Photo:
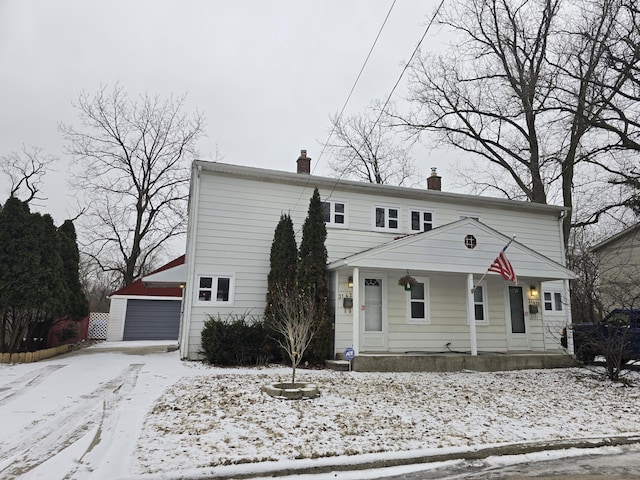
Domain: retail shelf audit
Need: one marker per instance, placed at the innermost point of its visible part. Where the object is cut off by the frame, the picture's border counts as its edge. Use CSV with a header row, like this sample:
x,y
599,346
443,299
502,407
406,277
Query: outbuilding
x,y
148,310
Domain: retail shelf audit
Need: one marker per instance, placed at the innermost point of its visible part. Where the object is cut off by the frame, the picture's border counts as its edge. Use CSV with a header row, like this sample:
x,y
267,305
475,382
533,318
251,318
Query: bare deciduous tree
x,y
26,171
366,150
620,101
294,323
518,89
133,158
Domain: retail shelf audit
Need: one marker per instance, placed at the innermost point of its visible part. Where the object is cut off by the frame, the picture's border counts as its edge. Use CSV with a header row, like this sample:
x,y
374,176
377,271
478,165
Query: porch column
x,y
471,315
356,310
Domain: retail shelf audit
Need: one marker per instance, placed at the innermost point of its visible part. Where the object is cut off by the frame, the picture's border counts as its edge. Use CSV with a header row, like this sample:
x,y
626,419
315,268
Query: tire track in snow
x,y
21,385
45,438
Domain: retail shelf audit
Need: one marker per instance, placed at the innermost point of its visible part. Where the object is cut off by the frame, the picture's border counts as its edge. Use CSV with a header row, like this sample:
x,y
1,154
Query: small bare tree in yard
x,y
133,159
293,322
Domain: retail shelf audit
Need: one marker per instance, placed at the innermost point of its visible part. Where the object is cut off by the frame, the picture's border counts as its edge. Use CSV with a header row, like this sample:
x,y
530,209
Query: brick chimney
x,y
434,182
304,163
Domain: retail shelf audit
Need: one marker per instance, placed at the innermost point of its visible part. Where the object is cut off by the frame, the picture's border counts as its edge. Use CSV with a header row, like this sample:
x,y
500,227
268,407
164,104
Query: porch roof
x,y
444,249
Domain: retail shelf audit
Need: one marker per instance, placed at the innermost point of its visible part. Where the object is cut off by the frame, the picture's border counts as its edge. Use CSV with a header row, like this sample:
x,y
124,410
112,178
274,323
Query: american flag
x,y
503,266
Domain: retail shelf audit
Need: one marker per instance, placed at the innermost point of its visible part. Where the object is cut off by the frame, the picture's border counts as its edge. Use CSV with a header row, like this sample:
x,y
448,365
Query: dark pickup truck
x,y
618,332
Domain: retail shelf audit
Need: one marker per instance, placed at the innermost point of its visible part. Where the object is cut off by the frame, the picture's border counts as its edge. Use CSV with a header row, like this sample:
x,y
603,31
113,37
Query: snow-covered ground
x,y
99,414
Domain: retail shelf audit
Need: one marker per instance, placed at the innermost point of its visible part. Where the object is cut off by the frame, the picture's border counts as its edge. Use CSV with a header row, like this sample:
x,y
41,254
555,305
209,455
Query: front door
x,y
518,334
373,321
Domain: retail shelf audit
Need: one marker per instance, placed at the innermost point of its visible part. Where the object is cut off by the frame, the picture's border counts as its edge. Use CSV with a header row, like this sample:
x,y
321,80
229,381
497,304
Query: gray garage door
x,y
152,320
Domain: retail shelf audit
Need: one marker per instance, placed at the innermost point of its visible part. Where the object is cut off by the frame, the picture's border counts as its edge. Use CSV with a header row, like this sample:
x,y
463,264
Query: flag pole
x,y
485,273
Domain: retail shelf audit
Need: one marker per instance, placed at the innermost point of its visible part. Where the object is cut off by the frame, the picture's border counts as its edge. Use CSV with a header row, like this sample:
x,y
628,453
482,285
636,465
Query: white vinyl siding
x,y
117,313
475,216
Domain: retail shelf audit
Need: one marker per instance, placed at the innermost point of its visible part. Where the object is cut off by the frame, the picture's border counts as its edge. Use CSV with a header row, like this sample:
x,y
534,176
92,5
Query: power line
x,y
353,87
386,103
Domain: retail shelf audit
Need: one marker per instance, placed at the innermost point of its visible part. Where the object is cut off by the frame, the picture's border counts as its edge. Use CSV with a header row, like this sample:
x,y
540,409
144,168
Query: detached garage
x,y
146,311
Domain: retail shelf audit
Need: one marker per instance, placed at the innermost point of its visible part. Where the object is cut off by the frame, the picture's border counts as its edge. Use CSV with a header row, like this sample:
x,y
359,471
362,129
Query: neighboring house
x,y
618,263
376,235
148,310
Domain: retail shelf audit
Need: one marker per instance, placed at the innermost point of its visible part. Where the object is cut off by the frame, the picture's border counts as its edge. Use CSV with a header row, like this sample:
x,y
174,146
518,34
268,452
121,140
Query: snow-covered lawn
x,y
110,415
222,418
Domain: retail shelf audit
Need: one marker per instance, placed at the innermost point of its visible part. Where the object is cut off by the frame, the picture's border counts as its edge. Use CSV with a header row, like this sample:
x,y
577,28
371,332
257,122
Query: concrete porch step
x,y
340,365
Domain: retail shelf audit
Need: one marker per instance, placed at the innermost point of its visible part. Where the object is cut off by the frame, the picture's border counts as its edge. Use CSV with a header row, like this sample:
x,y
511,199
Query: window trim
x,y
552,301
485,304
421,211
427,304
386,228
215,278
332,213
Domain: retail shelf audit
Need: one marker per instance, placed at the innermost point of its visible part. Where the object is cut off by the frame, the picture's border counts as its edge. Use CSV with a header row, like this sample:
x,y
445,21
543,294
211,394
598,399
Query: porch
x,y
452,362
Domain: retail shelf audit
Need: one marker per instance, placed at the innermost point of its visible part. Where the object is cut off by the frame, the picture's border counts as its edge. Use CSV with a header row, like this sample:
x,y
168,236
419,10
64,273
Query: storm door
x,y
373,321
517,321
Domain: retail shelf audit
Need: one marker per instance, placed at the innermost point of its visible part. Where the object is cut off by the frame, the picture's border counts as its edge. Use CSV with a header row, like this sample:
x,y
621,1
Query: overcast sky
x,y
266,74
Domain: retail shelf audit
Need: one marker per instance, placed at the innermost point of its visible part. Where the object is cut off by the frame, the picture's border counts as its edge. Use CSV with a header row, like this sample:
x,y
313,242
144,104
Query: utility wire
x,y
386,103
344,106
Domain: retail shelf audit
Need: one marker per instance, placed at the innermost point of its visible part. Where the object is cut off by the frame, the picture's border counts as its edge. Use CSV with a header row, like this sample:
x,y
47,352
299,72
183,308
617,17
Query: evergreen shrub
x,y
238,339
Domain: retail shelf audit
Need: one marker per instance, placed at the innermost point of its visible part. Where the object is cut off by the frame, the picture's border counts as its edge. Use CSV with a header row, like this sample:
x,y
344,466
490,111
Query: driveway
x,y
80,414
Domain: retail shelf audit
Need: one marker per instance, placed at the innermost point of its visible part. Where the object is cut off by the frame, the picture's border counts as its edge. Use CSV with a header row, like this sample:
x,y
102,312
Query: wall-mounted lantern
x,y
350,282
533,292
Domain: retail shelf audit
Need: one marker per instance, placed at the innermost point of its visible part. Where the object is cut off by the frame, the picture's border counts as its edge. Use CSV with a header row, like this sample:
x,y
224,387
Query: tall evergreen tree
x,y
283,262
18,267
312,276
35,288
77,306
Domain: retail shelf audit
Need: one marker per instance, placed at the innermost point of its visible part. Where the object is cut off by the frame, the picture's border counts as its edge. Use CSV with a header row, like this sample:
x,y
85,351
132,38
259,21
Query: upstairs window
x,y
421,220
386,219
215,289
335,213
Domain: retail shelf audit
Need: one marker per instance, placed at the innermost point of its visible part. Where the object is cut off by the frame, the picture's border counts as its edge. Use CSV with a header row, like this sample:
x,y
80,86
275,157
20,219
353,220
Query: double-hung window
x,y
420,220
215,289
418,302
335,213
552,302
386,219
480,302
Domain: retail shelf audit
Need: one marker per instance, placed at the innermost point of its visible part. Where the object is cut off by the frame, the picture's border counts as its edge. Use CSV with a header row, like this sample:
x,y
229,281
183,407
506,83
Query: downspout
x,y
565,282
192,227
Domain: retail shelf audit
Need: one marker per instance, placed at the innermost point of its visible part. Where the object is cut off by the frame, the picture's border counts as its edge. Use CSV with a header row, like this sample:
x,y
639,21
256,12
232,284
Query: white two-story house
x,y
377,234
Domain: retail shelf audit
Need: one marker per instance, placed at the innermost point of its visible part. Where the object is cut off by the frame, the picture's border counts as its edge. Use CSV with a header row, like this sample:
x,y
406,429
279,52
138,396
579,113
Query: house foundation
x,y
425,362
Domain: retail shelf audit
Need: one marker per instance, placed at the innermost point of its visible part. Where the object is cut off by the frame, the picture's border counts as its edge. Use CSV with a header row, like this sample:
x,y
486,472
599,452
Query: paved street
x,y
625,465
